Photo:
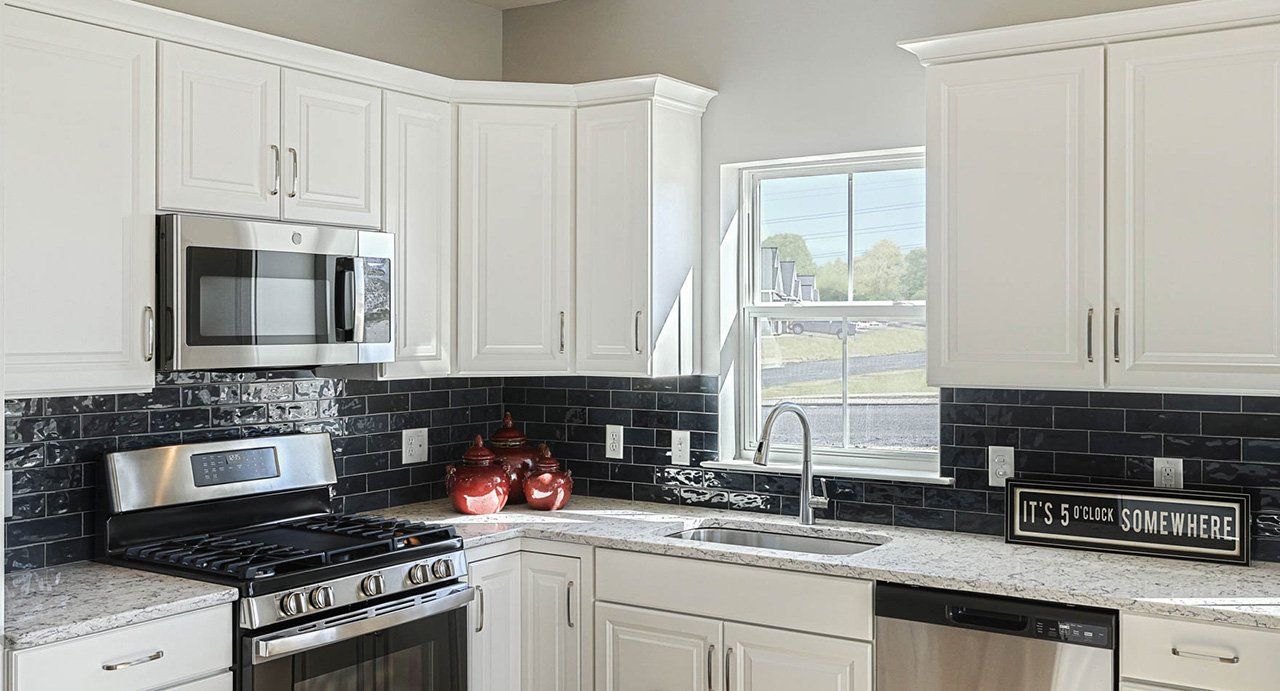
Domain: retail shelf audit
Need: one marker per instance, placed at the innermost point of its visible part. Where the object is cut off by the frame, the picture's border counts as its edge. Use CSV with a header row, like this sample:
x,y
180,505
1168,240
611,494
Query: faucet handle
x,y
820,500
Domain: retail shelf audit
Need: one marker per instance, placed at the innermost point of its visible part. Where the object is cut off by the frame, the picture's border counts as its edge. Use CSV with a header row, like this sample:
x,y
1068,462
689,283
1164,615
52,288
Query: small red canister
x,y
514,453
548,488
479,484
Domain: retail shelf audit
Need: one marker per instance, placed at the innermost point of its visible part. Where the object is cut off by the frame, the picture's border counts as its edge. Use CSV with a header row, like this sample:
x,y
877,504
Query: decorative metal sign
x,y
1206,526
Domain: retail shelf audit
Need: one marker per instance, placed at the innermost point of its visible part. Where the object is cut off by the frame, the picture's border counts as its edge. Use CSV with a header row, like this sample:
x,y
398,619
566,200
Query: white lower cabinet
x,y
494,647
1196,655
642,650
765,659
552,649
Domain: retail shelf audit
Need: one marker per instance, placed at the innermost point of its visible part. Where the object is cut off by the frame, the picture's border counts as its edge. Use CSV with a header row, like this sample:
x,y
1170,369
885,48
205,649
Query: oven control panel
x,y
241,465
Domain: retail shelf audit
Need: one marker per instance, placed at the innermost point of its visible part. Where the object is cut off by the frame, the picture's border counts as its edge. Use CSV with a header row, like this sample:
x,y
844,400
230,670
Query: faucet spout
x,y
807,501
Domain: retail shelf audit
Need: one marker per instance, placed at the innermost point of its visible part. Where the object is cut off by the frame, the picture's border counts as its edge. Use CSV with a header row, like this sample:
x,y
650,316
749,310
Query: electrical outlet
x,y
413,444
613,441
680,447
1168,473
999,465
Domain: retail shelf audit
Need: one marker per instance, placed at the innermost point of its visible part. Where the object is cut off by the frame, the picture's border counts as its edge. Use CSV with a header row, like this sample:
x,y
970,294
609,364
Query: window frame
x,y
751,312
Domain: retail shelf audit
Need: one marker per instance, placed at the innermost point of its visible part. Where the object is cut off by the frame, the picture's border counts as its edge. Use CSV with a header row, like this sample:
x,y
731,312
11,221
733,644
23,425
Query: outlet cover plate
x,y
1168,472
999,465
680,447
413,443
613,441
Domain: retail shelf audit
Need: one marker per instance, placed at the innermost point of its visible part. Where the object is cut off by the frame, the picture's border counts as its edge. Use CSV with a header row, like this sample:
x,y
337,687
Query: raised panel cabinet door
x,y
79,207
647,650
219,133
515,253
552,622
1193,240
764,659
1014,231
418,176
493,649
332,158
614,250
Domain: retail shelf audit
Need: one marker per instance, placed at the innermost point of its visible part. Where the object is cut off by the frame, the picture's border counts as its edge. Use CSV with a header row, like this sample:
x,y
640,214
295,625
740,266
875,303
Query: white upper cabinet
x,y
332,133
1015,212
79,194
219,133
638,208
515,222
1193,240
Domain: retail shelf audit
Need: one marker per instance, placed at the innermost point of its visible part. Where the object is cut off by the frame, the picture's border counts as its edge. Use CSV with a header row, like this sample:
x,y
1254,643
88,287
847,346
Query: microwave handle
x,y
345,296
358,331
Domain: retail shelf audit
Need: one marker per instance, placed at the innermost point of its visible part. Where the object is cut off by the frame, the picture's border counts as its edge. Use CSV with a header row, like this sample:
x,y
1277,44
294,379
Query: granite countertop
x,y
63,602
1248,596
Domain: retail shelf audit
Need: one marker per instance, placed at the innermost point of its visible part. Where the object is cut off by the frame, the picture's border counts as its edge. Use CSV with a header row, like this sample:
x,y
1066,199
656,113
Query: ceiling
x,y
511,4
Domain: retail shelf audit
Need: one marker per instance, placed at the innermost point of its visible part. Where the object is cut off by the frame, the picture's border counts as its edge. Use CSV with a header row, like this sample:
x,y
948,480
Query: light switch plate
x,y
999,465
413,445
1168,472
613,441
680,447
8,493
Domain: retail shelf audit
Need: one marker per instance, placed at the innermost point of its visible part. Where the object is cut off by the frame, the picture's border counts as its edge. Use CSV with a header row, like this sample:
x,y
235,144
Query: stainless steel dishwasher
x,y
947,640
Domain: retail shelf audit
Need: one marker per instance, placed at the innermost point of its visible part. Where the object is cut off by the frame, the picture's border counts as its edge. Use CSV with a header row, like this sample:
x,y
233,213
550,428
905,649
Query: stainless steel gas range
x,y
327,601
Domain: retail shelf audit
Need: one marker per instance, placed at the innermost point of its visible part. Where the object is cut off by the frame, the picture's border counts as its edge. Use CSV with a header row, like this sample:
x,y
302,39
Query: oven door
x,y
407,644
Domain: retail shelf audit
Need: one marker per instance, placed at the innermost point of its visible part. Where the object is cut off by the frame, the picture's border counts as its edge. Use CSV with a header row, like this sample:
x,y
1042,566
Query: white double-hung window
x,y
832,291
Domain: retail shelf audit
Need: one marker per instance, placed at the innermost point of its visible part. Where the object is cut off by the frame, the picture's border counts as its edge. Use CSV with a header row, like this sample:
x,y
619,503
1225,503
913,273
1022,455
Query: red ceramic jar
x,y
548,488
514,453
479,484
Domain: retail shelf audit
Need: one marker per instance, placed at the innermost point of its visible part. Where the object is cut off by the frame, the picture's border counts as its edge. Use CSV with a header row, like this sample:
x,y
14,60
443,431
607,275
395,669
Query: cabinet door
x,y
552,616
646,650
764,659
613,239
494,647
219,133
514,239
333,151
1193,278
1015,182
79,214
419,211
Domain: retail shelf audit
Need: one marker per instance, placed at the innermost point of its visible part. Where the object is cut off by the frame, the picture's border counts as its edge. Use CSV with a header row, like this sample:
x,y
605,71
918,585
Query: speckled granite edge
x,y
1246,596
64,602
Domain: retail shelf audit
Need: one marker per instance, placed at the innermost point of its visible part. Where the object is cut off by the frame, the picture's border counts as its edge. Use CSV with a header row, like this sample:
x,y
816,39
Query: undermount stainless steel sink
x,y
781,541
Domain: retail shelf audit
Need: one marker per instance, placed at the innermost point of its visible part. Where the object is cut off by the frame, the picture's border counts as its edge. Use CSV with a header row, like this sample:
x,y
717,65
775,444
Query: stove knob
x,y
292,604
443,568
418,574
321,597
373,585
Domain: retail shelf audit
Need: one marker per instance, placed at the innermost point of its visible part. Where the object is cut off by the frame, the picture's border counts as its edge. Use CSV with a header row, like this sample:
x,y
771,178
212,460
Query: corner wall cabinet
x,y
1189,299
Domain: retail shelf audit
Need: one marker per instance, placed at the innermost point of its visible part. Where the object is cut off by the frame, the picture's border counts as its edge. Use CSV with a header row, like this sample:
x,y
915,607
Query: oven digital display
x,y
241,465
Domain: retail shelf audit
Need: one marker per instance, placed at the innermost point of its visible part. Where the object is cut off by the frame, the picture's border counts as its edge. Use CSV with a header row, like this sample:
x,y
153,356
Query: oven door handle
x,y
271,647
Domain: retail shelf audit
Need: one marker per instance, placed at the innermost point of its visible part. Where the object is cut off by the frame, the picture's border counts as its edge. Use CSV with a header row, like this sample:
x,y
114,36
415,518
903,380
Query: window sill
x,y
827,470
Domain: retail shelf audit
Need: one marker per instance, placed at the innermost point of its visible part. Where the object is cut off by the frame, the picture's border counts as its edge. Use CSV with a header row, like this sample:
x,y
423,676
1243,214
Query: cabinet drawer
x,y
194,644
784,599
218,682
1206,650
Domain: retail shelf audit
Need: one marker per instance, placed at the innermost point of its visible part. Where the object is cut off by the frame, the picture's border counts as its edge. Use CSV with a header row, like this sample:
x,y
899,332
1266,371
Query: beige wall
x,y
454,38
796,77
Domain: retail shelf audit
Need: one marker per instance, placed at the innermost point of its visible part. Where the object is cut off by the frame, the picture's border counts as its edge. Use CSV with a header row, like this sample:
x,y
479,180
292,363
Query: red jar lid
x,y
546,462
477,454
507,434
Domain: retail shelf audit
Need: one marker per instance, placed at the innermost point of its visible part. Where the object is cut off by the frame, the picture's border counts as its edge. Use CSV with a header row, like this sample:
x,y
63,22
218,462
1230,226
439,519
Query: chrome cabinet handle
x,y
568,604
293,153
711,653
275,154
480,605
1088,335
150,316
1205,656
562,332
1115,336
638,331
111,667
728,668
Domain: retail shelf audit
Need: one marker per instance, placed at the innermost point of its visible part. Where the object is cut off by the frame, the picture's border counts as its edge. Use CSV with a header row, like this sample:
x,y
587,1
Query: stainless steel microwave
x,y
239,294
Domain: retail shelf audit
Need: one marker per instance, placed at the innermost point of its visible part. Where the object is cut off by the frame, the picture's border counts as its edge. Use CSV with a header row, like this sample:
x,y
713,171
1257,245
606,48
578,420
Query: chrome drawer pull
x,y
568,604
1088,337
1205,656
711,654
134,663
480,605
275,155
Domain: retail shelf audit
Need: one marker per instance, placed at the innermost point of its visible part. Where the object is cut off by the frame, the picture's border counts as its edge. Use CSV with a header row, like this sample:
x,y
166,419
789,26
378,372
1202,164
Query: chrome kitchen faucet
x,y
808,502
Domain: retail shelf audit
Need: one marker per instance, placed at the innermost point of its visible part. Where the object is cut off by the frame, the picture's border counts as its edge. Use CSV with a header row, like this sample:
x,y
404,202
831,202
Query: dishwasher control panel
x,y
1073,632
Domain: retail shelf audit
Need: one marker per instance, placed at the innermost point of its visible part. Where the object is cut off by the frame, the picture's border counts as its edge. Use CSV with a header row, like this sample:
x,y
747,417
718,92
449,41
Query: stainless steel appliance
x,y
235,293
328,601
940,639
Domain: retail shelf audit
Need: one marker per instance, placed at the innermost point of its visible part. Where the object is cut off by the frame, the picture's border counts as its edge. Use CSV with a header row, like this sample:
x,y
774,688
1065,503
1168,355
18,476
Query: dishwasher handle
x,y
987,620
